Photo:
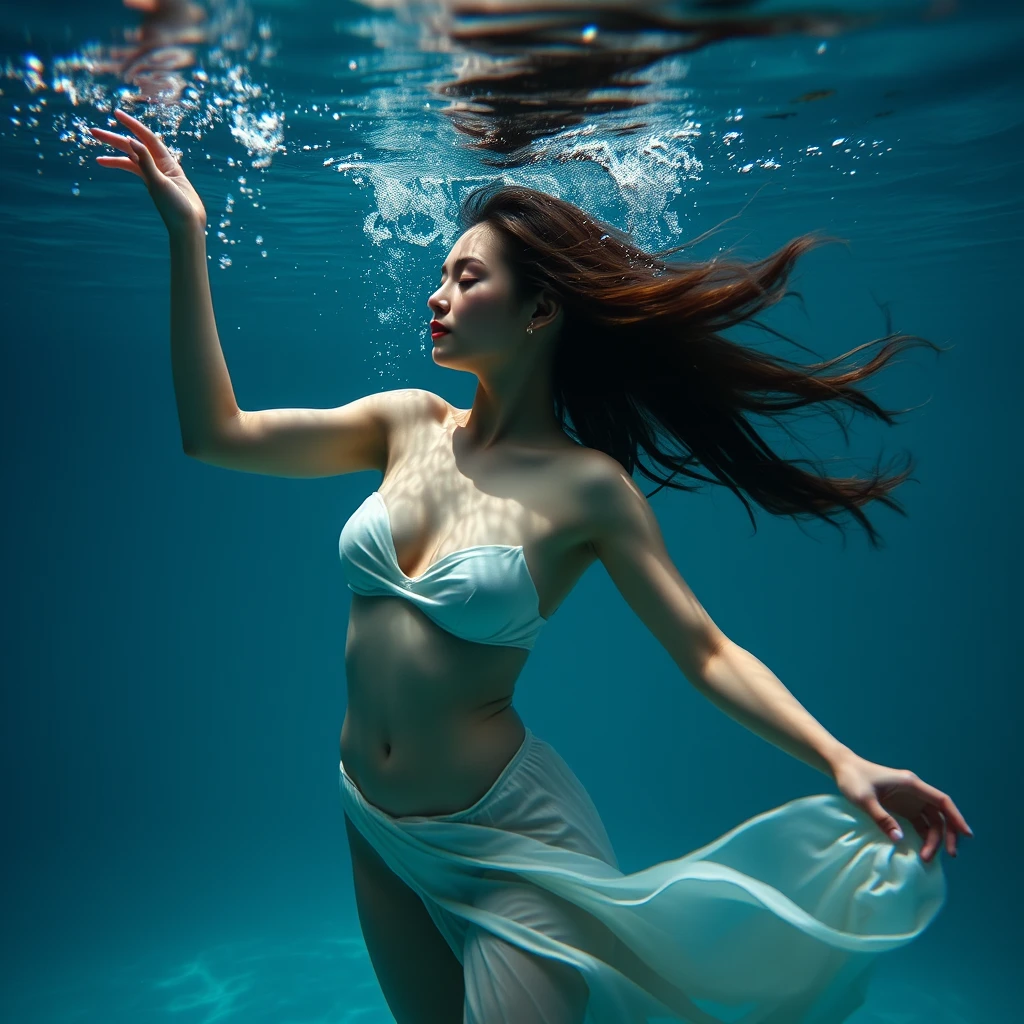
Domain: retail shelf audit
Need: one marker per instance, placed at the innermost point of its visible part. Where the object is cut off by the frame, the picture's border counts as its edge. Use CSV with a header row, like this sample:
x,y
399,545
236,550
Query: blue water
x,y
172,664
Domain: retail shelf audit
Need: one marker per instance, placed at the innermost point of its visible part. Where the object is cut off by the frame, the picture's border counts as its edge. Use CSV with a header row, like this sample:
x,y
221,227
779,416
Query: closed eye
x,y
462,280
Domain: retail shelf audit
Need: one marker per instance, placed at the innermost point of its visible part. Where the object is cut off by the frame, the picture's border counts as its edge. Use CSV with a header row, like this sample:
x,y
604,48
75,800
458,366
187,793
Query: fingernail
x,y
896,834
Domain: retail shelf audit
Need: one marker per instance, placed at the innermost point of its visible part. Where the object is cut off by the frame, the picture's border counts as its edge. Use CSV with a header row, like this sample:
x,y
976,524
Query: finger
x,y
112,139
122,162
941,800
920,823
885,821
951,837
145,158
934,838
147,135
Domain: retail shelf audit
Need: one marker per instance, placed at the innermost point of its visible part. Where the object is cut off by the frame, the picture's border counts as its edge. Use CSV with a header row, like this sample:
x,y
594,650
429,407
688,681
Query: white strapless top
x,y
483,593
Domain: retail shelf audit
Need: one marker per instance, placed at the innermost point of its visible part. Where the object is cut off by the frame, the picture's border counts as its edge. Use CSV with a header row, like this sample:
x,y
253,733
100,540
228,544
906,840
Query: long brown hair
x,y
641,362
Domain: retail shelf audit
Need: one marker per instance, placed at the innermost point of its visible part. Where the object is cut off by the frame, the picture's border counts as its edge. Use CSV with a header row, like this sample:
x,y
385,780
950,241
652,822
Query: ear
x,y
546,310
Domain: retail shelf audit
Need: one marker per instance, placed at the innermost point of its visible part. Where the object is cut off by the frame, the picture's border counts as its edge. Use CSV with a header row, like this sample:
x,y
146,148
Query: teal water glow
x,y
173,659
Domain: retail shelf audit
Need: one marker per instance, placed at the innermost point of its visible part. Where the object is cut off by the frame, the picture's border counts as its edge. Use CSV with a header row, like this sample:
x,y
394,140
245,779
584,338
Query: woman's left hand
x,y
883,792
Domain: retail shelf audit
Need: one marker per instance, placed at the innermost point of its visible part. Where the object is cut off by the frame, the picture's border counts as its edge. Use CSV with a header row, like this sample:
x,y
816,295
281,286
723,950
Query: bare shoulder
x,y
609,502
600,482
407,409
408,404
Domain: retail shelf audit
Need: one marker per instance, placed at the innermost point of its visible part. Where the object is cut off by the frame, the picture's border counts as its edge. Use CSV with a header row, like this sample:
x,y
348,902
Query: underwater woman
x,y
486,886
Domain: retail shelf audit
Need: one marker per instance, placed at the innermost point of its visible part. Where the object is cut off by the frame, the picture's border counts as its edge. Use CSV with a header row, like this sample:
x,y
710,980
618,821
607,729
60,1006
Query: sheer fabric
x,y
776,922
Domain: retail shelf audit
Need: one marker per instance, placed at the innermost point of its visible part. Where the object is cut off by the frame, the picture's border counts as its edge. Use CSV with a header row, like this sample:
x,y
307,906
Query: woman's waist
x,y
388,636
417,685
428,767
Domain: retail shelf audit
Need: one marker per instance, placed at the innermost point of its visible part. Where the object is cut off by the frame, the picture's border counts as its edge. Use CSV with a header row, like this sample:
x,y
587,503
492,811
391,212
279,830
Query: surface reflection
x,y
532,69
164,43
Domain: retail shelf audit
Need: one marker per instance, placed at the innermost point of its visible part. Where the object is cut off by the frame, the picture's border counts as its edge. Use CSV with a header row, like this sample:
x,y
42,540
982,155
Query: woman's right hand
x,y
147,156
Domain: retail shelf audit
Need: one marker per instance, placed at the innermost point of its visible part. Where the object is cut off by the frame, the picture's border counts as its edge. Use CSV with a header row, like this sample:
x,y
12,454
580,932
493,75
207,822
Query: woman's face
x,y
476,302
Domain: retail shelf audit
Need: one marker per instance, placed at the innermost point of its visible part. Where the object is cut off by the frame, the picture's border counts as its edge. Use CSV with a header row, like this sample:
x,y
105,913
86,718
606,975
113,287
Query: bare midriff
x,y
429,724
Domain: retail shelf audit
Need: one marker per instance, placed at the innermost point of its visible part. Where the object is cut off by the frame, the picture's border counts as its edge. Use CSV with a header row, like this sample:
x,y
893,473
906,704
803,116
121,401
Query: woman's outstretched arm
x,y
202,385
628,540
279,442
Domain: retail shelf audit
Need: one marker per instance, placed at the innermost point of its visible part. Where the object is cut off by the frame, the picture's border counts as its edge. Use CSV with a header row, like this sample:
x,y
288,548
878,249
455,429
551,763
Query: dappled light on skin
x,y
599,352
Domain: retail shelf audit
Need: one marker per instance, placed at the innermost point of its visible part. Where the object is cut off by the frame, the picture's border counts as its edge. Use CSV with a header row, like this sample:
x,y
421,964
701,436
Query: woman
x,y
486,886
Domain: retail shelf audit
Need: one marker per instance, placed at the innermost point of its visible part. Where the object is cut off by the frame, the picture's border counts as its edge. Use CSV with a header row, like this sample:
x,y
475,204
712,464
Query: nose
x,y
435,304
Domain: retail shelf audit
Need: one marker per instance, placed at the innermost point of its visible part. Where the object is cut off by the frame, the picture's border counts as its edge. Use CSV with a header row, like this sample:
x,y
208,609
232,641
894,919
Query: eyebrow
x,y
461,261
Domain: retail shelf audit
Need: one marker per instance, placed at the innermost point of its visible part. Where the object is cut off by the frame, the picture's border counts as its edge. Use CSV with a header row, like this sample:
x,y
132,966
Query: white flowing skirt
x,y
776,922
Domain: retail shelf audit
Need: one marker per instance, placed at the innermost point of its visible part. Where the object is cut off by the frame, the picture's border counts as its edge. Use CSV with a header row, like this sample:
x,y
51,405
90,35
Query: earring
x,y
529,330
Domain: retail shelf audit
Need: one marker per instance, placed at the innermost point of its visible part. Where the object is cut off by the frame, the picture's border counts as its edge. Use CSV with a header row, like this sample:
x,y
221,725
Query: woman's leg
x,y
420,976
506,984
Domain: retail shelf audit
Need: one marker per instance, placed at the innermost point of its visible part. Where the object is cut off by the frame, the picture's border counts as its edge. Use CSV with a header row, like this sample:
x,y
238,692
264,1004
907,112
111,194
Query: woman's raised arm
x,y
280,442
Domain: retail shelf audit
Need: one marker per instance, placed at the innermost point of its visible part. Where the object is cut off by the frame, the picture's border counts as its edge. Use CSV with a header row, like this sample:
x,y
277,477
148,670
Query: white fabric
x,y
483,593
776,922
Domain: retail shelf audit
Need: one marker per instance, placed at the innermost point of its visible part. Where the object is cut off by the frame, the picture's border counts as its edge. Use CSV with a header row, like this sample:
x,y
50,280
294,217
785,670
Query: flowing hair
x,y
641,363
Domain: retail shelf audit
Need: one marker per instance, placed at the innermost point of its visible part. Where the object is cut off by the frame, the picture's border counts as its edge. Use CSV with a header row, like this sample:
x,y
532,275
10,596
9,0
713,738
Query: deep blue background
x,y
172,665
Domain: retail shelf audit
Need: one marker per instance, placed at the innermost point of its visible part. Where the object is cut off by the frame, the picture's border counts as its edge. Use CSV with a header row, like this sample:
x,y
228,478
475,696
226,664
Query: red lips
x,y
436,327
